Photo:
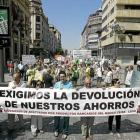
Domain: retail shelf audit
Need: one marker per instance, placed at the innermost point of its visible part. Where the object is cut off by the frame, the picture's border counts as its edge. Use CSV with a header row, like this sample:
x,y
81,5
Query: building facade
x,y
40,29
54,38
124,43
90,36
20,35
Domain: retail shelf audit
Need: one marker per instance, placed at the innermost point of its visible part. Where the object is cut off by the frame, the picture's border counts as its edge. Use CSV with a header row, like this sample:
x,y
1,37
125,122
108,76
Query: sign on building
x,y
28,59
46,60
81,54
4,27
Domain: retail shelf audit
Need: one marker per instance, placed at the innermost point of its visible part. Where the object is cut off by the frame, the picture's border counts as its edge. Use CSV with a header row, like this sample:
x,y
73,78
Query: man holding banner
x,y
16,83
87,122
62,84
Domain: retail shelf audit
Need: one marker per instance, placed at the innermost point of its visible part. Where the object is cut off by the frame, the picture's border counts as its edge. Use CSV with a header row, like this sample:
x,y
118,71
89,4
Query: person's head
x,y
75,66
88,63
50,66
116,82
11,61
130,67
20,62
38,84
48,71
45,66
87,83
30,66
114,67
62,76
16,62
16,78
38,67
98,65
108,69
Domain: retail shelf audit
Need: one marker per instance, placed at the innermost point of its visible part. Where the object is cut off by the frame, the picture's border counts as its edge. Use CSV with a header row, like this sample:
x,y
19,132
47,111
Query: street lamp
x,y
115,27
20,26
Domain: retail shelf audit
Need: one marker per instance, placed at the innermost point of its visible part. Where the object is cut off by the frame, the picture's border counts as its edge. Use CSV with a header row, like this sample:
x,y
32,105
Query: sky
x,y
70,17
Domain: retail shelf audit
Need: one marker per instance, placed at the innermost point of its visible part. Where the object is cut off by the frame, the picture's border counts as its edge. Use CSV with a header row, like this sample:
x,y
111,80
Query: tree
x,y
59,51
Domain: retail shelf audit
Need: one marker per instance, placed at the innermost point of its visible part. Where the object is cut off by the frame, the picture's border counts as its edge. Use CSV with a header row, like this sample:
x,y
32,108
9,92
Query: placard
x,y
46,60
134,79
81,54
28,59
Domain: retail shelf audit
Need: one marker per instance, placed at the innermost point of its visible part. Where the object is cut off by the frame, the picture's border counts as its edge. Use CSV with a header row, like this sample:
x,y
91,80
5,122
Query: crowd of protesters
x,y
58,76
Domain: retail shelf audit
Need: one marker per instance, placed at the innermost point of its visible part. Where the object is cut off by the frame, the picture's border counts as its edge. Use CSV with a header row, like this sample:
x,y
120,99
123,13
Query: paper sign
x,y
28,59
134,79
46,60
81,54
38,76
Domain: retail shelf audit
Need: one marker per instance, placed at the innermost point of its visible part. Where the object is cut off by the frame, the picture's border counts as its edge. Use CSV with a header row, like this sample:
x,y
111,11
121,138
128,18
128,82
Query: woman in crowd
x,y
108,77
115,72
36,121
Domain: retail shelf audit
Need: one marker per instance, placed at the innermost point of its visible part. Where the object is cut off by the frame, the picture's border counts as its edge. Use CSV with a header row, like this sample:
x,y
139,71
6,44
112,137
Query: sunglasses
x,y
118,82
88,83
38,84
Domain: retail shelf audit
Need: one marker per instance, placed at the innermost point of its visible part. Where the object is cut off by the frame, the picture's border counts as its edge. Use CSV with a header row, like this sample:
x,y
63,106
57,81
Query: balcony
x,y
130,26
135,39
128,13
133,2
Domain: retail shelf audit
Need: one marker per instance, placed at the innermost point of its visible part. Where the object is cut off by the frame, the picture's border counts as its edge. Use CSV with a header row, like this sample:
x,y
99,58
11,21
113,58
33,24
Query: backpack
x,y
91,72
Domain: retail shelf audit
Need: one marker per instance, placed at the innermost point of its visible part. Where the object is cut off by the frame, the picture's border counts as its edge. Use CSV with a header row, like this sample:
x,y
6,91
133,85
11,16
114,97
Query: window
x,y
105,8
21,49
37,26
112,11
38,18
16,52
26,49
38,35
105,18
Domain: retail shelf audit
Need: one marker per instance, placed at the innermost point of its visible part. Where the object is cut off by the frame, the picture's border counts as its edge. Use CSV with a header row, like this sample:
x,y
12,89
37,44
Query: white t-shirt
x,y
99,72
118,69
109,74
138,62
20,85
20,66
128,78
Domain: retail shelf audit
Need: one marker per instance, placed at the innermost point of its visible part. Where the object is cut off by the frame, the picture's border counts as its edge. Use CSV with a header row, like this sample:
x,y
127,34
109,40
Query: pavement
x,y
129,124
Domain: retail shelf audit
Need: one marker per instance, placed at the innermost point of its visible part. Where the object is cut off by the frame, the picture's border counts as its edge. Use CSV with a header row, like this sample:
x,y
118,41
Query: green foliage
x,y
59,51
130,37
122,37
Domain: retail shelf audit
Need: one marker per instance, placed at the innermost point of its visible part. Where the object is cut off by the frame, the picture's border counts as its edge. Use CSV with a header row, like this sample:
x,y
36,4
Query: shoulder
x,y
22,84
11,84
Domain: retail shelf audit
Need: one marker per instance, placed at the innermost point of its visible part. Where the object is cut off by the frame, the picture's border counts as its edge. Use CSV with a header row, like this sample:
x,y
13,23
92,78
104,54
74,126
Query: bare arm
x,y
29,82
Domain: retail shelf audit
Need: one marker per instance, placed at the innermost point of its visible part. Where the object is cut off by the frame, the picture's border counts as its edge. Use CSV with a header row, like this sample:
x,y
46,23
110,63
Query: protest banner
x,y
56,56
46,61
70,102
81,54
28,59
134,79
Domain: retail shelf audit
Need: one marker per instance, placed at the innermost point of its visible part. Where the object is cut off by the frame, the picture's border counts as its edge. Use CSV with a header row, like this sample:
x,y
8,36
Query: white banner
x,y
81,54
28,59
70,102
46,60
